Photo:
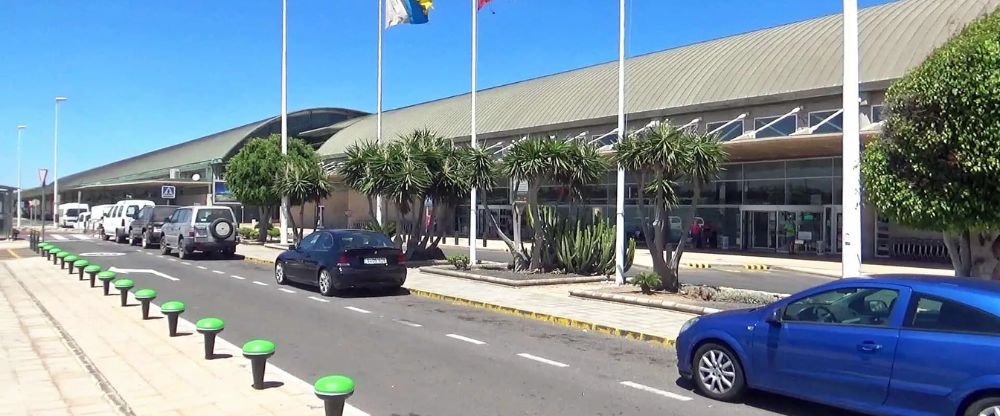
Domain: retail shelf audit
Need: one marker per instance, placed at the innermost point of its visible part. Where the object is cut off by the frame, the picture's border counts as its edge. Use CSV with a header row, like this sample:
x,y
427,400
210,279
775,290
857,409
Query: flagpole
x,y
620,186
851,252
378,117
472,193
283,215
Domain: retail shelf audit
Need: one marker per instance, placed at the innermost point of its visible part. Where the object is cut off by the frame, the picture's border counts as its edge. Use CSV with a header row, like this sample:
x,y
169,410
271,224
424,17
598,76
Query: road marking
x,y
259,283
12,253
185,263
101,254
172,259
408,323
542,360
667,394
359,310
81,237
466,339
286,290
218,272
237,277
59,237
150,271
319,299
148,253
203,267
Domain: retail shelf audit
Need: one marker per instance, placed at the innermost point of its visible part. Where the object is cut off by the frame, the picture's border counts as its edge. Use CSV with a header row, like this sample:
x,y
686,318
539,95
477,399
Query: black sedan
x,y
334,260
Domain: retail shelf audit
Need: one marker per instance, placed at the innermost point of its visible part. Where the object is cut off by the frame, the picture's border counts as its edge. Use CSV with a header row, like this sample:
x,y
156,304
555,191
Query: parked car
x,y
70,212
116,222
333,260
81,221
889,345
145,230
207,229
97,214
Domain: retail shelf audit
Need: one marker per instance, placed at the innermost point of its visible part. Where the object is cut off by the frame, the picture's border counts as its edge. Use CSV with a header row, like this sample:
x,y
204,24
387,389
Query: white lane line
x,y
185,263
148,253
408,323
172,259
81,237
319,299
237,277
218,272
466,339
359,310
259,283
286,290
59,237
542,360
645,388
203,267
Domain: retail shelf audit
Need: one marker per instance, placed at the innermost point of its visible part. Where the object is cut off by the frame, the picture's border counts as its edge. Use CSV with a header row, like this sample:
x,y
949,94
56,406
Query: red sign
x,y
42,174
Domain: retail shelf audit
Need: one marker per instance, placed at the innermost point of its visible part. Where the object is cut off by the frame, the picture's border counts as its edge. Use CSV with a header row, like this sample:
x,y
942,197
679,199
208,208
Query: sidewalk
x,y
550,303
133,362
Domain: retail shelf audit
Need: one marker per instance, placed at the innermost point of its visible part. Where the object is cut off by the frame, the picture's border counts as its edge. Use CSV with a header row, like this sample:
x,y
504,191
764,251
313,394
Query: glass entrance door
x,y
763,230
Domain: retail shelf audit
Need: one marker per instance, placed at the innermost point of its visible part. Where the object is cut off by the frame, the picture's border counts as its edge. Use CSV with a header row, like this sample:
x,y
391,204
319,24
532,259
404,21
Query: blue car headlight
x,y
689,324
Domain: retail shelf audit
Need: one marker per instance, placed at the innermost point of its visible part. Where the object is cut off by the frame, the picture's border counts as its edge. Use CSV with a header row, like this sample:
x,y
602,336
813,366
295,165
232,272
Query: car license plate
x,y
375,260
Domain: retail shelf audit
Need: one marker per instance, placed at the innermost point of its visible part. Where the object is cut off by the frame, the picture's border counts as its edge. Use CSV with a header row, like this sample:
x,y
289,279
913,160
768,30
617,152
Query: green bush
x,y
460,261
249,233
584,247
387,228
647,282
273,232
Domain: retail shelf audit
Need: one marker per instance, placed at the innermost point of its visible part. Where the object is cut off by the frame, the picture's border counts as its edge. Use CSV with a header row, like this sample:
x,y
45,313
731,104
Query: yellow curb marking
x,y
756,267
558,320
12,253
698,265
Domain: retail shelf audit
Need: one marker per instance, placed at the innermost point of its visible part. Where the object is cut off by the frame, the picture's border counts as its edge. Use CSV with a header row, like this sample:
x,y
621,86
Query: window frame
x,y
900,293
315,237
773,118
831,112
871,113
741,123
911,309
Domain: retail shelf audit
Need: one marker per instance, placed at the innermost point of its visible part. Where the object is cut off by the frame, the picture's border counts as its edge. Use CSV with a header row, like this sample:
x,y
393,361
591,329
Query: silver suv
x,y
199,228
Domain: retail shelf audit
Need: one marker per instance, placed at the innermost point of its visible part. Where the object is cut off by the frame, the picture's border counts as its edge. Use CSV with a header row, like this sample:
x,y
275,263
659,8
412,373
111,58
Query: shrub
x,y
387,228
273,232
249,233
647,282
460,261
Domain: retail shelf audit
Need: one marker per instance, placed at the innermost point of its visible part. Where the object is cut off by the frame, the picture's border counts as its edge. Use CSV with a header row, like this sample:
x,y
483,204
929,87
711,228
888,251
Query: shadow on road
x,y
355,293
782,405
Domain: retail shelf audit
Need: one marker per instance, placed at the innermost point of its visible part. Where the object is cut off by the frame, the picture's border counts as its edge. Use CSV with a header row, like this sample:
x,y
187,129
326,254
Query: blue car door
x,y
834,346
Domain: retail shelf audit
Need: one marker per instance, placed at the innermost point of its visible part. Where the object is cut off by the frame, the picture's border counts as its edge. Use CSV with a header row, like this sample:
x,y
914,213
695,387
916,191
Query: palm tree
x,y
303,181
661,157
547,160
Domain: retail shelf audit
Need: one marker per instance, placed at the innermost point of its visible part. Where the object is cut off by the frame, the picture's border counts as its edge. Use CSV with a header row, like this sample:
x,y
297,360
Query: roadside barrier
x,y
92,270
70,259
172,309
145,296
62,259
123,285
756,267
80,264
209,328
258,351
106,277
50,253
334,390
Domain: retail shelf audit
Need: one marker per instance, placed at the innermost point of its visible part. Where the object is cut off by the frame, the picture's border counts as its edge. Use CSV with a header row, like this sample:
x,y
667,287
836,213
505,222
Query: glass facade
x,y
835,125
784,127
728,132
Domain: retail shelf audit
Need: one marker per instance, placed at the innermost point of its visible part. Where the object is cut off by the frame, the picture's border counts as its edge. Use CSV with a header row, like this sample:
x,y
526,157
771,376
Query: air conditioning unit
x,y
175,173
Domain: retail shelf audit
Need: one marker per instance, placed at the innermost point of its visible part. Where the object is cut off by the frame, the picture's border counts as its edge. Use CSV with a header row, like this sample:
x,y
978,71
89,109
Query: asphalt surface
x,y
416,357
775,281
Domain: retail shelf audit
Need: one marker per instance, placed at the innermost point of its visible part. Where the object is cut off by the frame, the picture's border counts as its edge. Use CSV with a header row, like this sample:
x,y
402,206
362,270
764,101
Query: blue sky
x,y
142,75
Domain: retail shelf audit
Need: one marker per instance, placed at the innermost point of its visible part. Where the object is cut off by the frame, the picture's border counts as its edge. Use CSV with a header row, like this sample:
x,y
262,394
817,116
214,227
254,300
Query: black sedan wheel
x,y
718,373
326,283
279,273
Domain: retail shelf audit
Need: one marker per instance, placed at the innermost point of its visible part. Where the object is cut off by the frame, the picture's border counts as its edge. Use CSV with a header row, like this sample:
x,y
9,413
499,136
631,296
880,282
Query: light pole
x,y
55,165
283,215
18,211
851,252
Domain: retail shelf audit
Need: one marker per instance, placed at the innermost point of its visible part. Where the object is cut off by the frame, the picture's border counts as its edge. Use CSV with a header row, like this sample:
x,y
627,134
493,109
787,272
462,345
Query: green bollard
x,y
123,285
145,296
61,256
334,390
172,309
52,254
258,351
80,264
70,259
106,277
42,248
209,328
92,270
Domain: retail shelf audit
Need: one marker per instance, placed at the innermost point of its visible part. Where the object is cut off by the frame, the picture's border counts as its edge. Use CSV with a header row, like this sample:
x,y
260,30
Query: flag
x,y
406,11
483,3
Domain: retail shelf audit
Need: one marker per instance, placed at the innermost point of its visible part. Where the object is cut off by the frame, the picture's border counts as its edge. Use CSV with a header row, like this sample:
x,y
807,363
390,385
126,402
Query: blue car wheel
x,y
718,373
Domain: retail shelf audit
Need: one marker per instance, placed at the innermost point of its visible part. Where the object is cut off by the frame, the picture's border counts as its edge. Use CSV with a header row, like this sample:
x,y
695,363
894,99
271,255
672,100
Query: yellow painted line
x,y
558,320
12,253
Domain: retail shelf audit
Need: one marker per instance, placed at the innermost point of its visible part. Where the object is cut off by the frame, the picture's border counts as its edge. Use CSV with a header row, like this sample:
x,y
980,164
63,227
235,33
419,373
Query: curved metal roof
x,y
788,59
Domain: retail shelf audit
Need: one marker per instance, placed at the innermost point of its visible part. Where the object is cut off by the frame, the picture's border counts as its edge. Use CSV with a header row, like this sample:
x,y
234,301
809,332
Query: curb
x,y
553,319
258,260
697,265
511,282
630,300
756,267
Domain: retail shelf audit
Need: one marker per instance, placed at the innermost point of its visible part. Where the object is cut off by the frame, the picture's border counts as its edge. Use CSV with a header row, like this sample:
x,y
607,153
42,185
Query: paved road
x,y
777,281
413,356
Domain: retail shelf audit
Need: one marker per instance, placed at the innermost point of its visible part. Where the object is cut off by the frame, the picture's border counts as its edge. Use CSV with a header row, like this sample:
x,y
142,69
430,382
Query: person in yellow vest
x,y
789,231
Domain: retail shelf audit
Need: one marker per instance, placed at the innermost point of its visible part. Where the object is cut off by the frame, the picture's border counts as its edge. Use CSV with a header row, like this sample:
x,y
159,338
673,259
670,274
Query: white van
x,y
69,212
115,223
97,214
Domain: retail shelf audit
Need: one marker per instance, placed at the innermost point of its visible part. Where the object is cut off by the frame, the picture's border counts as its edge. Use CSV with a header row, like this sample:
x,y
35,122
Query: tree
x,y
546,160
937,164
254,172
303,181
661,157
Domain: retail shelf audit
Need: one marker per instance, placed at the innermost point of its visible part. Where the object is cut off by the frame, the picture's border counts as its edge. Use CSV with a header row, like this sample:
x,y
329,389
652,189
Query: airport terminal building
x,y
773,96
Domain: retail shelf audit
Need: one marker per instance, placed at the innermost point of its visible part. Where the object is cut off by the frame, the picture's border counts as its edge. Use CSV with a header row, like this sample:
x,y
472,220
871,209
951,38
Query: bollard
x,y
70,259
106,277
145,296
80,264
258,351
172,309
334,390
123,285
42,248
61,256
210,327
92,270
52,254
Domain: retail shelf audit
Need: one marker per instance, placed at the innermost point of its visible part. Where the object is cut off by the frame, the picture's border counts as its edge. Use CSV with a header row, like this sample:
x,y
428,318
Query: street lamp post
x,y
283,215
18,211
851,252
55,164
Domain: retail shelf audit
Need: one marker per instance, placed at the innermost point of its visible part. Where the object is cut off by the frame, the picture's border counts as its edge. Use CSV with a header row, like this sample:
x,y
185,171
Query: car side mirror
x,y
774,318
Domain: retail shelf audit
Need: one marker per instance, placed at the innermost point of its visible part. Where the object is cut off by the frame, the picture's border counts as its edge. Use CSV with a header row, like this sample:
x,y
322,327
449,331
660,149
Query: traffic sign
x,y
42,174
168,192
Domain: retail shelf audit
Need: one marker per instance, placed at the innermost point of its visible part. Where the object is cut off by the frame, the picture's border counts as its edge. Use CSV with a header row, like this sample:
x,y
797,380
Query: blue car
x,y
890,345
